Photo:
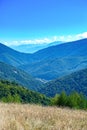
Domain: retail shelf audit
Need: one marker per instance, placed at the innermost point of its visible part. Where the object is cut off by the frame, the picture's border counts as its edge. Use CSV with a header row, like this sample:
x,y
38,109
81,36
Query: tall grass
x,y
33,117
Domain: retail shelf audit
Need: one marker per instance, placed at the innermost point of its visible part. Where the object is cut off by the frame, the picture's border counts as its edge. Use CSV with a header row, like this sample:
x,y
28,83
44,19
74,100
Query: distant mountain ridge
x,y
49,63
59,60
32,48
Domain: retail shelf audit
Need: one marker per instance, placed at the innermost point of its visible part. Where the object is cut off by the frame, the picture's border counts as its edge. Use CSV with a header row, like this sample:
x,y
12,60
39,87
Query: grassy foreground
x,y
34,117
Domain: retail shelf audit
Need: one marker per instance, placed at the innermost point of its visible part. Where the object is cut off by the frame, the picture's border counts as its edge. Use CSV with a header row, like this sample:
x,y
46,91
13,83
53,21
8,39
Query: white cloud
x,y
36,41
72,37
15,42
26,42
80,36
48,40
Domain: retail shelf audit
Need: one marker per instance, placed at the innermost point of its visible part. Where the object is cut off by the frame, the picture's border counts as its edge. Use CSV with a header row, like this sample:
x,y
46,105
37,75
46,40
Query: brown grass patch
x,y
33,117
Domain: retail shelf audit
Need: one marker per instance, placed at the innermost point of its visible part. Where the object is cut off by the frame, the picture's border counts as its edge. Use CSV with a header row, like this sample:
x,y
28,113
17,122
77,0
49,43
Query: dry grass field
x,y
33,117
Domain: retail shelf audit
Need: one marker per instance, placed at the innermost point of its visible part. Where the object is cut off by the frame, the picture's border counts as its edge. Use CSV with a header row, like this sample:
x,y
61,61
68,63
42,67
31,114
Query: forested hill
x,y
76,81
12,92
11,73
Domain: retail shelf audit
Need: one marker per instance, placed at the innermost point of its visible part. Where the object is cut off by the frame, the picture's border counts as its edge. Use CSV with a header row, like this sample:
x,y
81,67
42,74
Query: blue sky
x,y
29,21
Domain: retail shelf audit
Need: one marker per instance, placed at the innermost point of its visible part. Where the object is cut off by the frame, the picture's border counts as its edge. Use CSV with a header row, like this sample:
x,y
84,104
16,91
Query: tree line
x,y
12,92
74,100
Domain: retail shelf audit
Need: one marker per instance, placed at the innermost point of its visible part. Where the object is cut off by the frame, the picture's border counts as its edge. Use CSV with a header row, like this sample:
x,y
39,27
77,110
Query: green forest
x,y
74,100
11,92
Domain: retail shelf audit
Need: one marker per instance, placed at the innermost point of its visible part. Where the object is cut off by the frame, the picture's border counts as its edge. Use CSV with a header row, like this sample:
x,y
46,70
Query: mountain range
x,y
67,63
57,61
49,63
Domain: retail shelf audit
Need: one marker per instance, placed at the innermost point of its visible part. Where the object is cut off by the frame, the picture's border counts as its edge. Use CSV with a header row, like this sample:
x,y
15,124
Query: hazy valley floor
x,y
33,117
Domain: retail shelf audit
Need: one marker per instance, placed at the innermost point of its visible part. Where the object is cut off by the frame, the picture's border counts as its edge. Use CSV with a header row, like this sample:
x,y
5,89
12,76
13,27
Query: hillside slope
x,y
11,73
12,57
12,92
76,81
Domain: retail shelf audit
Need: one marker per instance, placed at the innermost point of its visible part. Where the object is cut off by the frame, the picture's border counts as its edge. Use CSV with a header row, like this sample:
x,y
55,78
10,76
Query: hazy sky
x,y
28,21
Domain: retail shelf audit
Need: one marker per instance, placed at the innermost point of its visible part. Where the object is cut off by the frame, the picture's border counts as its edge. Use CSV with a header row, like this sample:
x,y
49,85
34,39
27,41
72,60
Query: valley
x,y
49,63
63,65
